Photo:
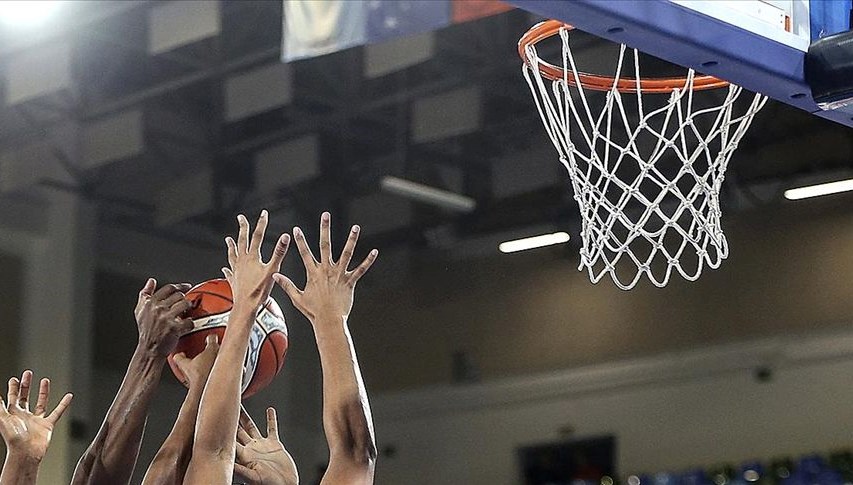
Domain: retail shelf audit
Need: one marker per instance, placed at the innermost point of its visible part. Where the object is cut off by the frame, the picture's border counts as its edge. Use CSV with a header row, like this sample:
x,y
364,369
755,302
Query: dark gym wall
x,y
789,271
11,312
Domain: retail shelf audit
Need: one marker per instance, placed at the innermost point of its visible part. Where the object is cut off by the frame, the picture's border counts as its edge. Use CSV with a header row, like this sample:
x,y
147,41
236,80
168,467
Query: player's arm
x,y
251,281
326,302
111,457
170,463
26,434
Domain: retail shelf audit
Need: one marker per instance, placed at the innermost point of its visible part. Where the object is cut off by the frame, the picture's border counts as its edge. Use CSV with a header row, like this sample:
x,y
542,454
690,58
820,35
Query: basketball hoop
x,y
647,179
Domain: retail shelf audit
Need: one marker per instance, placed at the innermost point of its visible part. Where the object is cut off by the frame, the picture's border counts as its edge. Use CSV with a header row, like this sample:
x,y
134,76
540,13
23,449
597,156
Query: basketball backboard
x,y
758,44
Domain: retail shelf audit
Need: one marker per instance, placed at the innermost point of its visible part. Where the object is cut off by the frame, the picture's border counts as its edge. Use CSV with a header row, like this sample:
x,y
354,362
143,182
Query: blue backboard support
x,y
690,38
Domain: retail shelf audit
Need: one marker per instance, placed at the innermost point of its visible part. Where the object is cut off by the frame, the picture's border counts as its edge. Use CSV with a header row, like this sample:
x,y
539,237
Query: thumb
x,y
181,360
228,274
242,473
288,286
182,363
240,454
149,287
147,290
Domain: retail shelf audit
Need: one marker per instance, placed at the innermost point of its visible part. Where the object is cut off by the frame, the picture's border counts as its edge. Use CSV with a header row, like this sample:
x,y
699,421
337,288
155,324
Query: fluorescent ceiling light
x,y
428,195
533,242
23,12
818,190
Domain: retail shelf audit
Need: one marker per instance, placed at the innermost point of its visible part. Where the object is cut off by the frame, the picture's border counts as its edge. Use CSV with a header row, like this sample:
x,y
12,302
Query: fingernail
x,y
264,213
297,231
355,228
326,216
374,252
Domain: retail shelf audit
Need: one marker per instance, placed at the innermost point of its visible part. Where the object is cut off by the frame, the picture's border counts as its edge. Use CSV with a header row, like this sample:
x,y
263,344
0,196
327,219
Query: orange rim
x,y
596,82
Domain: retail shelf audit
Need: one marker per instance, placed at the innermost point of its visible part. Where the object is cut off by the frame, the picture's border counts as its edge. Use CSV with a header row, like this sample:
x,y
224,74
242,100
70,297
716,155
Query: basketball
x,y
267,343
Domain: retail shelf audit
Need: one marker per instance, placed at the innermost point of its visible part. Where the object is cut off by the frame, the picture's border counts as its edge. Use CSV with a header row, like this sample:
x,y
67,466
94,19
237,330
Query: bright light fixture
x,y
533,242
428,195
818,190
23,12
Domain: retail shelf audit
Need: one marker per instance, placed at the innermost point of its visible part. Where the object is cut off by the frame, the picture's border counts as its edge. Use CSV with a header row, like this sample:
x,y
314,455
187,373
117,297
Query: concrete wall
x,y
11,287
669,412
789,270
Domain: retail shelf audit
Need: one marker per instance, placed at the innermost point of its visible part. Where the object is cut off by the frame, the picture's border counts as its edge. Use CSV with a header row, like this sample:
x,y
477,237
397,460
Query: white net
x,y
647,177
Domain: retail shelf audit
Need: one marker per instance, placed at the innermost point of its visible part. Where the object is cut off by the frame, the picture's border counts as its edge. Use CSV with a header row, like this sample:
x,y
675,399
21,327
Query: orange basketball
x,y
267,342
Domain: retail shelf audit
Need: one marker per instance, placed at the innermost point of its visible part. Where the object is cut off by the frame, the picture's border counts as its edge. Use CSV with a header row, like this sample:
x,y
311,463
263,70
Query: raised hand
x,y
214,448
111,457
329,287
260,460
327,301
159,316
27,433
197,369
250,278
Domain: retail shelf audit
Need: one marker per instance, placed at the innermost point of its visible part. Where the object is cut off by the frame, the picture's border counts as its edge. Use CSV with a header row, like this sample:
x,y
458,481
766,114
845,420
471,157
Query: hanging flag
x,y
314,28
318,27
389,19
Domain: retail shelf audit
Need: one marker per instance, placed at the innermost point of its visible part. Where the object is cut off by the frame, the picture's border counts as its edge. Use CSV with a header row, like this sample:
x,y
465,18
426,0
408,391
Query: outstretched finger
x,y
272,423
349,248
325,238
260,232
279,252
24,396
365,265
243,236
304,250
232,250
60,408
44,395
248,425
13,391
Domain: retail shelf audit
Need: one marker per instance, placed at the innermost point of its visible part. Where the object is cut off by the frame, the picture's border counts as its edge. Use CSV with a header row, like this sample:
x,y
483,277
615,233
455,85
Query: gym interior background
x,y
132,133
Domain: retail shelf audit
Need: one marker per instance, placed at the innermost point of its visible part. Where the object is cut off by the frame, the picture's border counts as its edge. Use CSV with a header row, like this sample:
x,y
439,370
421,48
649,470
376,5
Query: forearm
x,y
19,470
347,420
170,463
219,412
111,457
